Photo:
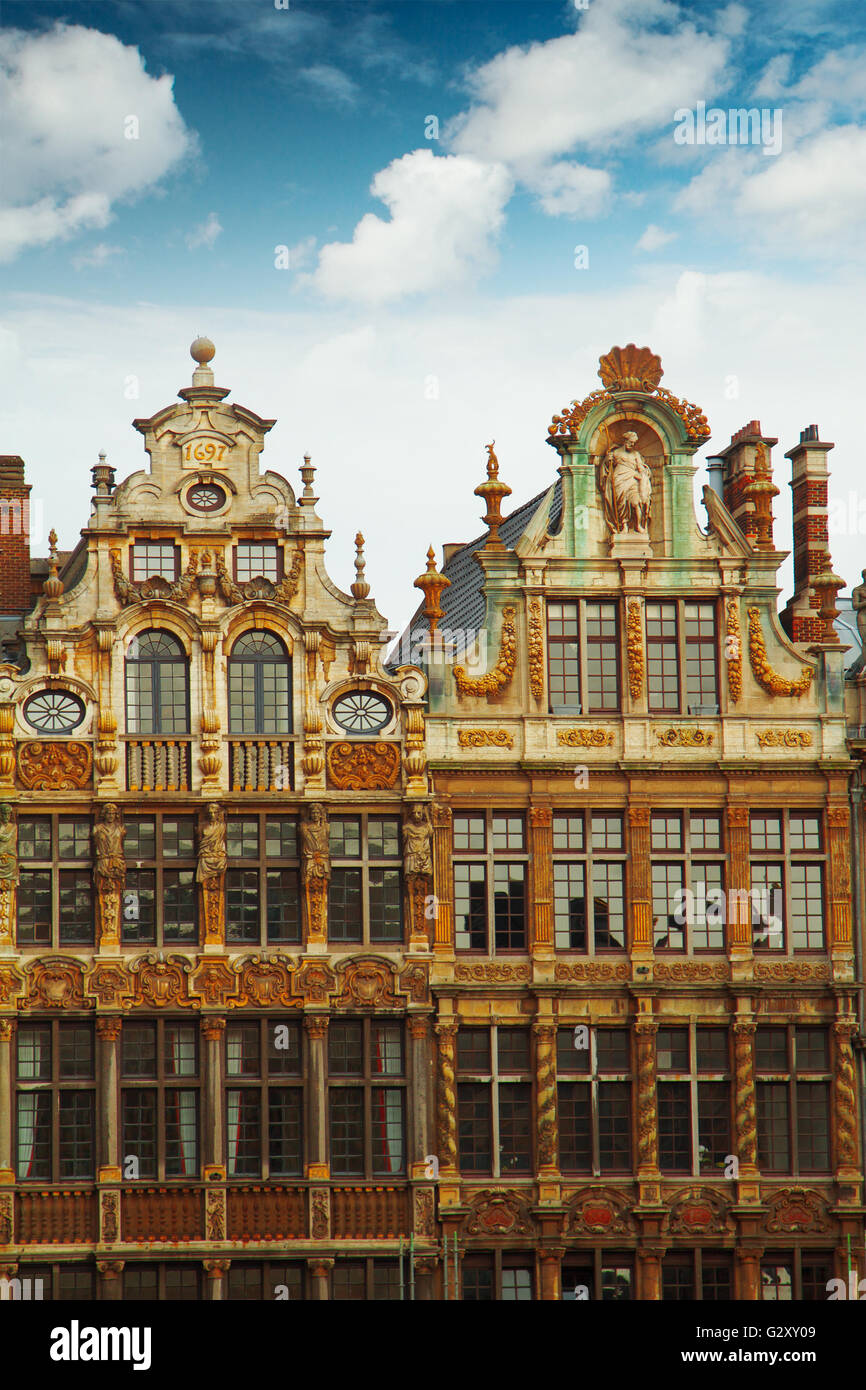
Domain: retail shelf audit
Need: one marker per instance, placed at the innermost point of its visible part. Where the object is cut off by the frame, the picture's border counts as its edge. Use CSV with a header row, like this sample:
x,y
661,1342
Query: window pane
x,y
386,1057
285,1148
474,1127
675,1146
76,1051
389,1150
470,906
575,1127
473,1050
515,1128
569,905
813,1126
344,905
469,833
76,1133
347,1131
673,1049
138,1049
509,906
773,1127
346,1049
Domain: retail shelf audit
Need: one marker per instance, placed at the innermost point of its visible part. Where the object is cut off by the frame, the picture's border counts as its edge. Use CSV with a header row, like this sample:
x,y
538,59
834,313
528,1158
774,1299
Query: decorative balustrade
x,y
368,1213
261,765
266,1213
162,1214
46,1217
157,764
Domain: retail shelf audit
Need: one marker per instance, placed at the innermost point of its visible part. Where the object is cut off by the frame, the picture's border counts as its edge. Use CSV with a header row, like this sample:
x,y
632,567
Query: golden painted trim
x,y
784,738
502,672
764,674
684,738
734,659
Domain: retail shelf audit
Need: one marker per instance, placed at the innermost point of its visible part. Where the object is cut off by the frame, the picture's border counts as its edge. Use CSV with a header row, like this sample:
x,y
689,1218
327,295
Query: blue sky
x,y
432,299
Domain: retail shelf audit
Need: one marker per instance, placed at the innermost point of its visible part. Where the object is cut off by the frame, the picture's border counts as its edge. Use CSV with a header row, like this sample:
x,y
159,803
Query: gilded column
x,y
108,1032
209,759
641,943
313,759
210,875
739,883
547,1128
647,1111
109,875
541,869
419,1032
7,745
213,1150
317,1096
443,882
7,1034
745,1113
446,1115
8,878
106,728
550,1259
845,1101
839,867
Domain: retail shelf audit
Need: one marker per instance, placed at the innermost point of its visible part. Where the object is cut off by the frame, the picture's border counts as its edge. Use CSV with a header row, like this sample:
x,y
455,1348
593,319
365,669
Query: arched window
x,y
260,700
157,685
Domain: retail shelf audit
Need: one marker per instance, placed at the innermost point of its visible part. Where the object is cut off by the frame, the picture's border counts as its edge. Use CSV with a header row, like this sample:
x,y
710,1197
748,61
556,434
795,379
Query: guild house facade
x,y
518,964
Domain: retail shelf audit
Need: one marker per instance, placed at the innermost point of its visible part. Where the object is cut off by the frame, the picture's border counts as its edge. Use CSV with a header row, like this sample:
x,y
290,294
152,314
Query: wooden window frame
x,y
161,1083
54,1086
794,1075
55,866
492,858
592,1074
785,859
365,863
693,1076
262,864
160,865
366,1082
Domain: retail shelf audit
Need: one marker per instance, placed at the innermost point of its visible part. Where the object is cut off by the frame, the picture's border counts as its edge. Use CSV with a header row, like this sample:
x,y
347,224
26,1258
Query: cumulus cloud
x,y
446,212
74,146
566,189
654,238
205,234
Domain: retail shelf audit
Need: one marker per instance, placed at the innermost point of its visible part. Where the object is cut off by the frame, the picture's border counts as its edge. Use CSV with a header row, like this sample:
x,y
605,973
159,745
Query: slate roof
x,y
463,604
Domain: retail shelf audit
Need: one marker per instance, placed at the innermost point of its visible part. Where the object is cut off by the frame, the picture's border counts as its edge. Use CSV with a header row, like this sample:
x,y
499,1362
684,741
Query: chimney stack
x,y
16,594
747,483
801,617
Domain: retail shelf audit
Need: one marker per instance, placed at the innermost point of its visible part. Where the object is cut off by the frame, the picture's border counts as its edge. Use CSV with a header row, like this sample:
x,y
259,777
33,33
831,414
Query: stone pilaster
x,y
550,1262
641,937
319,1270
110,1280
541,878
745,1109
108,1032
7,1035
443,881
317,1096
839,898
213,1150
647,1108
547,1124
446,1108
216,1271
845,1101
739,914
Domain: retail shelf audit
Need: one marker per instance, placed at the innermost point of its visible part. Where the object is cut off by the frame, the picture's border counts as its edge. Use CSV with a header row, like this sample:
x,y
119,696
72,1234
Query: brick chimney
x,y
809,477
16,595
747,483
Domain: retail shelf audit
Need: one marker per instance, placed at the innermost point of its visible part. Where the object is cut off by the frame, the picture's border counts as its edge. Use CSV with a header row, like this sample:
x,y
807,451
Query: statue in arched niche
x,y
625,484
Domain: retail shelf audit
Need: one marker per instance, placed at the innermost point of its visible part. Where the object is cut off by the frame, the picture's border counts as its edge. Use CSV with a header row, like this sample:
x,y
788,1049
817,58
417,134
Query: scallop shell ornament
x,y
630,369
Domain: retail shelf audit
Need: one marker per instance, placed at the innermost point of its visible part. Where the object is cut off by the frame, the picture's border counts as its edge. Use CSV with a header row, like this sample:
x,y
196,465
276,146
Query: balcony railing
x,y
162,1213
363,1213
261,765
157,764
266,1213
45,1217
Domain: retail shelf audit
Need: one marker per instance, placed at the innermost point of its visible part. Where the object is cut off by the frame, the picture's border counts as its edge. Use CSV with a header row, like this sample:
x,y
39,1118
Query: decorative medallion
x,y
698,1211
363,766
154,587
55,766
796,1209
600,1211
498,1214
367,982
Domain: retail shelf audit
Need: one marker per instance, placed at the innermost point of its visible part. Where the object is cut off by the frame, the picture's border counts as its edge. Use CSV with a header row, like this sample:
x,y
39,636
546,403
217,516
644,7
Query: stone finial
x,y
827,585
492,492
52,586
102,475
360,588
308,473
202,350
431,584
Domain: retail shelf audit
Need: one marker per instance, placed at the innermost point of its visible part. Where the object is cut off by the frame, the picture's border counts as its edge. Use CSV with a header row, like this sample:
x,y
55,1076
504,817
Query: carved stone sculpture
x,y
626,486
209,871
315,869
109,871
417,842
8,869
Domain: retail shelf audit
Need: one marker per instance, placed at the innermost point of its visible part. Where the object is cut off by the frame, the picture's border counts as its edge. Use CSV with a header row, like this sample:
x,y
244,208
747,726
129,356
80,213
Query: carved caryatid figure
x,y
212,846
108,836
417,839
316,861
626,486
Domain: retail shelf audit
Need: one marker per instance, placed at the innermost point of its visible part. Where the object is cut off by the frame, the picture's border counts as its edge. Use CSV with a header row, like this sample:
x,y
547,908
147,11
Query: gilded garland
x,y
634,645
764,674
733,651
536,649
502,672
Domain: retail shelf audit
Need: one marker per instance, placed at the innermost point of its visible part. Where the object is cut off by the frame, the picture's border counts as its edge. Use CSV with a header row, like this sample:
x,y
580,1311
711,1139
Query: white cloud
x,y
773,80
654,238
565,189
446,212
302,253
331,83
205,234
625,70
98,256
811,197
66,99
840,77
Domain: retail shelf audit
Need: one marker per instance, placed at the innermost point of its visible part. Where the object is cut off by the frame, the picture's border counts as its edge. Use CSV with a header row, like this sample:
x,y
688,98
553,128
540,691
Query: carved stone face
x,y
630,438
109,814
213,810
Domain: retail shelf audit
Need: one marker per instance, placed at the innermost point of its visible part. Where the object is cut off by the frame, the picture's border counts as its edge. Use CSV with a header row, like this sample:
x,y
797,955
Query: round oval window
x,y
206,497
362,712
54,711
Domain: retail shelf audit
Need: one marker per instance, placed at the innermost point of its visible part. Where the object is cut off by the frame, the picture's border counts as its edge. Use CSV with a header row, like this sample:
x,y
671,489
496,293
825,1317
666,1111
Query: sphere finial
x,y
202,351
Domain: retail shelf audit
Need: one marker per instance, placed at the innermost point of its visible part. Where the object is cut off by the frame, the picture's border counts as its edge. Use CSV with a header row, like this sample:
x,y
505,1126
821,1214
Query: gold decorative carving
x,y
210,871
6,1218
320,1213
446,1105
763,672
366,982
494,1213
108,1027
109,873
846,1095
600,1211
154,587
415,984
780,971
491,972
502,672
315,869
536,649
363,766
634,647
315,981
698,1210
784,738
585,738
212,981
689,971
647,1131
425,1213
215,1213
259,587
545,1071
162,981
630,369
590,970
316,1026
6,1029
477,738
745,1116
796,1209
263,982
8,871
734,650
684,738
54,766
110,1216
111,985
56,982
694,419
